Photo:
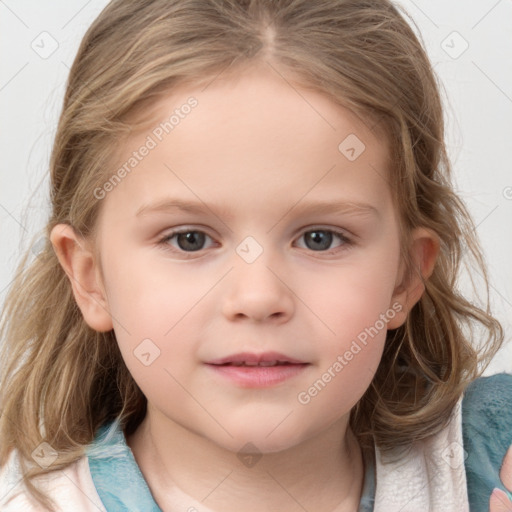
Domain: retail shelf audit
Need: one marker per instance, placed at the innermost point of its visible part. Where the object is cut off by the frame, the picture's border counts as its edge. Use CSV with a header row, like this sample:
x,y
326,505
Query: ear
x,y
423,252
78,261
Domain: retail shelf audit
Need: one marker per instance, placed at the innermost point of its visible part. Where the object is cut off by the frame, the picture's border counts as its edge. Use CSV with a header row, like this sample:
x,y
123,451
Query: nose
x,y
257,292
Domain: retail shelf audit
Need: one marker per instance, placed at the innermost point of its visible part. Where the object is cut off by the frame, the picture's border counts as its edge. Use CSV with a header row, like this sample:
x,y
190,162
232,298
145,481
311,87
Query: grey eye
x,y
318,239
190,240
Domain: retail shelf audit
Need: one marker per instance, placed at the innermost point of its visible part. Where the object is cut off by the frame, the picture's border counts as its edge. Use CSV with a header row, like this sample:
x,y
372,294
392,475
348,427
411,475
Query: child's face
x,y
254,156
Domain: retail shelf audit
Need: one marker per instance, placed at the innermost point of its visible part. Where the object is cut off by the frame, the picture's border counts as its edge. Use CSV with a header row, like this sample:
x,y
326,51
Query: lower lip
x,y
258,376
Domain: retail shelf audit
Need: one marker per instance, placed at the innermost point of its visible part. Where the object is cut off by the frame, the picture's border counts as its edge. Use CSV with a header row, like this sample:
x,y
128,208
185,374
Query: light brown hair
x,y
60,380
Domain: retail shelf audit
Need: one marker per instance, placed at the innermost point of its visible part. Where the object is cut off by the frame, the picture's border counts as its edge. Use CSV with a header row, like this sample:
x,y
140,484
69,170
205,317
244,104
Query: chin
x,y
262,439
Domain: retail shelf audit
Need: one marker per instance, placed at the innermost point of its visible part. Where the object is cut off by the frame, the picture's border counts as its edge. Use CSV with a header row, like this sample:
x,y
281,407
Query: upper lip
x,y
253,358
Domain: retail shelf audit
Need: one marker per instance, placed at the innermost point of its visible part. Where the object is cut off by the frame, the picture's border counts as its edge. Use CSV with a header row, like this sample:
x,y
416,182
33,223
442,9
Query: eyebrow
x,y
320,207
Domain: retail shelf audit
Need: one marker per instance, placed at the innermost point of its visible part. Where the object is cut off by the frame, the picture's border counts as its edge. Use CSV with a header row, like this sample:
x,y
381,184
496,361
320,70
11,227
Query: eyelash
x,y
164,241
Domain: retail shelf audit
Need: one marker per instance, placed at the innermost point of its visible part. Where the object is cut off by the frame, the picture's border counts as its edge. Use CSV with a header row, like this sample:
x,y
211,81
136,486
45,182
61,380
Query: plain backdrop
x,y
470,46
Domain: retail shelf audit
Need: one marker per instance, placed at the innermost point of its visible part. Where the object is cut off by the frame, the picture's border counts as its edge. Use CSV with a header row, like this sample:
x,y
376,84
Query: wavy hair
x,y
61,380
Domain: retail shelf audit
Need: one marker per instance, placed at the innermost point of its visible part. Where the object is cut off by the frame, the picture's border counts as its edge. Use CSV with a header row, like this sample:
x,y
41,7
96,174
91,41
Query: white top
x,y
431,478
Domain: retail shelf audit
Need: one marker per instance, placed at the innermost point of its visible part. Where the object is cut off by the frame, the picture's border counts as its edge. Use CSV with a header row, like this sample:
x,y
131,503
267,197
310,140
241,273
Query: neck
x,y
324,473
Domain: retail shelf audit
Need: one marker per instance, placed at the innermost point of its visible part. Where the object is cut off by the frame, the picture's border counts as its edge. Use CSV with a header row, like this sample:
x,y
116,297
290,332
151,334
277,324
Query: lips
x,y
261,363
249,370
252,359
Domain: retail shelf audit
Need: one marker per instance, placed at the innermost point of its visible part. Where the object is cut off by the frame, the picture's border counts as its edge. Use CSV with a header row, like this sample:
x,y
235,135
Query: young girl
x,y
247,299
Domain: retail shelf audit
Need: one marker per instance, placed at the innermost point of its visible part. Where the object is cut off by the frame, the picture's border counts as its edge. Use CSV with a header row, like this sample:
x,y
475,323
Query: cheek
x,y
353,298
148,297
355,307
344,374
150,308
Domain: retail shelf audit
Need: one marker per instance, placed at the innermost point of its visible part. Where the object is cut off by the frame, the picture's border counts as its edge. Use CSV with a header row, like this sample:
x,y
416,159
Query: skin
x,y
256,151
499,501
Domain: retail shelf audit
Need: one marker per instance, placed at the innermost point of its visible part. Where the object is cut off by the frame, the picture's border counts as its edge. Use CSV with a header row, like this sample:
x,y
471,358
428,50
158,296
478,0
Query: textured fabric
x,y
487,430
430,477
72,489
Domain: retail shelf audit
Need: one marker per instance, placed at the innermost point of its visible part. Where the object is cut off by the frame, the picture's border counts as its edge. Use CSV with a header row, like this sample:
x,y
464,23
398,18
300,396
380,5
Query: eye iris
x,y
191,240
324,238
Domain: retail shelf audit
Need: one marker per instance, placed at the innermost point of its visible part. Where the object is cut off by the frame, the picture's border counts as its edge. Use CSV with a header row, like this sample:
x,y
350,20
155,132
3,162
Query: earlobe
x,y
423,253
79,264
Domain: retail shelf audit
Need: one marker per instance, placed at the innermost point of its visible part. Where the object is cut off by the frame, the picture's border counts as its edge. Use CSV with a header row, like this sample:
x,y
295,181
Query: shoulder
x,y
69,488
487,434
487,411
495,390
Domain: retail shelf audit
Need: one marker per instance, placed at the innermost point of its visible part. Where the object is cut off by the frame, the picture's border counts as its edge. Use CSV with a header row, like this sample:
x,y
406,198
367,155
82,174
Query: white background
x,y
477,94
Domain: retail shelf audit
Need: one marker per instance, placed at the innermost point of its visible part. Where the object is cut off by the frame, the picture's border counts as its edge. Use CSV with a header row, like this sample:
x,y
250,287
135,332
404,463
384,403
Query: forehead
x,y
266,101
250,128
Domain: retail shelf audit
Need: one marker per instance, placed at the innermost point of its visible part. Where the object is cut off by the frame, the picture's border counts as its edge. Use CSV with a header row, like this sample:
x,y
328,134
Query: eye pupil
x,y
191,240
323,238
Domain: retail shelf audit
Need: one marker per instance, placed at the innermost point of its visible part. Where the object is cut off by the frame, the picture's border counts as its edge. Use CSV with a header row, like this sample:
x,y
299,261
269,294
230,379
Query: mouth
x,y
249,370
261,363
253,359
